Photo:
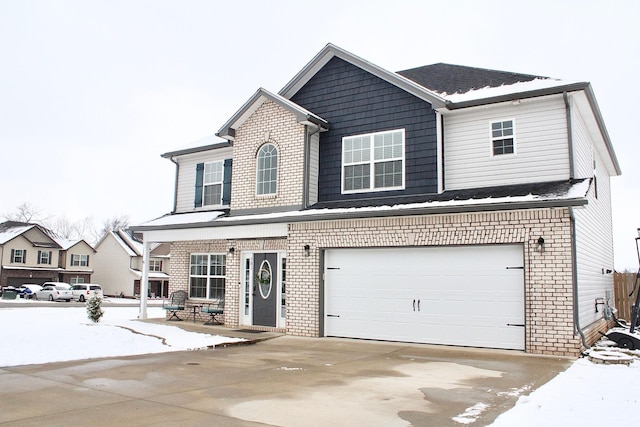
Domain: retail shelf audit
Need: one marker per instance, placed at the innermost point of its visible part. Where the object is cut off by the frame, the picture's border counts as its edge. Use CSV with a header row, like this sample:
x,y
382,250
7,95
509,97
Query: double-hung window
x,y
18,256
79,260
212,185
373,162
503,137
44,257
155,265
207,275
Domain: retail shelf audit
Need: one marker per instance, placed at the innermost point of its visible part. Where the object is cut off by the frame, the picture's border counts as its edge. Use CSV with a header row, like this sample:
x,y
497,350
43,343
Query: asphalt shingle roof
x,y
450,79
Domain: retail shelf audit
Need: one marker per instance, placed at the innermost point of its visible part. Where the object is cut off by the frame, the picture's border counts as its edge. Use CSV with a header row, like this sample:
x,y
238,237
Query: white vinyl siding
x,y
541,154
594,244
187,175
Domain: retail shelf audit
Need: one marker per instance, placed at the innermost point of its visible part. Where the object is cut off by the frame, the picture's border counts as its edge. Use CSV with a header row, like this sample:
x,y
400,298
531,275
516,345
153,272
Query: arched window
x,y
267,170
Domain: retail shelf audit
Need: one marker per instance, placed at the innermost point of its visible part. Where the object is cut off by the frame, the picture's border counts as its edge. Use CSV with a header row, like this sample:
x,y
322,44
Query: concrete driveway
x,y
283,381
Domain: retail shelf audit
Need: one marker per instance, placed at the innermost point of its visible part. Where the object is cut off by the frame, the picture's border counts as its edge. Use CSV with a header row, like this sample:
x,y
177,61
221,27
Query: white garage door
x,y
466,296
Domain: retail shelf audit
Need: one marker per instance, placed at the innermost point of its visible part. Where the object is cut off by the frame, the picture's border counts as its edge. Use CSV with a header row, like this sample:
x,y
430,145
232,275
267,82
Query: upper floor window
x,y
502,137
79,260
373,162
18,256
266,182
44,257
155,265
212,185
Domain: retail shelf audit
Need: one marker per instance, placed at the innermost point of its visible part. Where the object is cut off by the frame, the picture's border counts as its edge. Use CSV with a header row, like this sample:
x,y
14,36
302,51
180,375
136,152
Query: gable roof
x,y
9,230
330,51
227,131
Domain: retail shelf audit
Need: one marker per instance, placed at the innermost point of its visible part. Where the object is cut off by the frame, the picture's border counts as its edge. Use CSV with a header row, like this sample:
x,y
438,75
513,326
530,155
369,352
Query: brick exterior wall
x,y
270,123
180,263
548,278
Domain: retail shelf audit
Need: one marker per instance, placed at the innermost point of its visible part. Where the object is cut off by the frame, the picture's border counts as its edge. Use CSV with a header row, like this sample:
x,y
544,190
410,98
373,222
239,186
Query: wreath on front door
x,y
263,276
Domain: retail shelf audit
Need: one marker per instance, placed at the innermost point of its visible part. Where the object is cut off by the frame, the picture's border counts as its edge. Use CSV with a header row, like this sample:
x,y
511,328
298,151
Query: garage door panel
x,y
466,295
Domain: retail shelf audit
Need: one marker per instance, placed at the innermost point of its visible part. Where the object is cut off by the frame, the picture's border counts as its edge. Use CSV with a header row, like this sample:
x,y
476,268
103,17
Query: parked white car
x,y
53,292
83,291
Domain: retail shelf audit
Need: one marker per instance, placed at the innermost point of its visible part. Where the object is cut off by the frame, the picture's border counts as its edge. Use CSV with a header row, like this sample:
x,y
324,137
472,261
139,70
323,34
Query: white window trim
x,y
275,193
21,257
372,163
492,139
208,275
207,184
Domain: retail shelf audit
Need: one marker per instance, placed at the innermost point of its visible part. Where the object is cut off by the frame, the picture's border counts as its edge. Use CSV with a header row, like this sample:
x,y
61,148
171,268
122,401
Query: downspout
x,y
175,188
574,279
306,167
567,109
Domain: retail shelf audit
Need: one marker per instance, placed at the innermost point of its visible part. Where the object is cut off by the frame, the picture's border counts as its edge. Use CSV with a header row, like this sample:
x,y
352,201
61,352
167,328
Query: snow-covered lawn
x,y
51,333
586,394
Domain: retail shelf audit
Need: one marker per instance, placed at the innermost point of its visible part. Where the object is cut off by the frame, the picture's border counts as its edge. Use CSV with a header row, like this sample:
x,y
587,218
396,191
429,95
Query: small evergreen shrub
x,y
94,309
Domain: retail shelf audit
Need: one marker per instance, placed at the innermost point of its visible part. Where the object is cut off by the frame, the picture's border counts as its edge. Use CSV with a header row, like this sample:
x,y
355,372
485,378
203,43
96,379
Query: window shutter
x,y
199,181
39,256
87,260
24,256
226,182
13,255
50,256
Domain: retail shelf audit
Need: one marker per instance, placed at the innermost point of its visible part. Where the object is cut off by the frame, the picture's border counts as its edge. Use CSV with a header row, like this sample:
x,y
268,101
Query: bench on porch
x,y
213,309
175,303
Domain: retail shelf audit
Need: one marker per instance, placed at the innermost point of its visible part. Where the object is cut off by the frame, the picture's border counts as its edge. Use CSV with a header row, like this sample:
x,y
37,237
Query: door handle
x,y
418,305
414,305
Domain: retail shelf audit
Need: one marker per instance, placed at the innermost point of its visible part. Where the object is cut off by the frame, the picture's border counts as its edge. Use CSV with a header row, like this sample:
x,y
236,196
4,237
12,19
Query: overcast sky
x,y
92,92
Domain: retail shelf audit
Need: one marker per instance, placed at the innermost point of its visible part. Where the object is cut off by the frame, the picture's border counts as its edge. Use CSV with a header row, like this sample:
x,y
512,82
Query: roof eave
x,y
517,95
227,131
358,214
170,154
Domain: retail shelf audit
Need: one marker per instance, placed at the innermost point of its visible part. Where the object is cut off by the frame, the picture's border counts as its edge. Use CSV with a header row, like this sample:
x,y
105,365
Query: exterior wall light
x,y
540,247
232,250
306,250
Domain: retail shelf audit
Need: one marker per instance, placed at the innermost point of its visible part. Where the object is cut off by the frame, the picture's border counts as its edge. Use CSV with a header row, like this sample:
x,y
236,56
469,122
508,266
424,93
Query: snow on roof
x,y
576,191
181,219
13,232
519,87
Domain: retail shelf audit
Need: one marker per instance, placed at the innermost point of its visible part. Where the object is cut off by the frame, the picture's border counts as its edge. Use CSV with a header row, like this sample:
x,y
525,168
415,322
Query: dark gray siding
x,y
356,102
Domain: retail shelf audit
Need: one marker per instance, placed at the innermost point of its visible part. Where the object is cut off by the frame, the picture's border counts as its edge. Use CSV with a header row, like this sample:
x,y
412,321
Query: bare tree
x,y
24,213
115,223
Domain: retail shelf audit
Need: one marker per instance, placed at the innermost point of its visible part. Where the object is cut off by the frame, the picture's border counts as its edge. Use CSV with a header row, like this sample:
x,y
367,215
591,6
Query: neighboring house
x,y
76,261
118,265
442,204
31,253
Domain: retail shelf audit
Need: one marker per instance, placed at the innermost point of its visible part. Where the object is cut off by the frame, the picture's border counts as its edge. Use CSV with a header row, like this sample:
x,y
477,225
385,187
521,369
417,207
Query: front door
x,y
265,288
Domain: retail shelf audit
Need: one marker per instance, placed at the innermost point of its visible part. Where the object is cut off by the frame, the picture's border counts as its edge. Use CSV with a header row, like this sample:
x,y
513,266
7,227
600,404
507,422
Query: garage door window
x,y
373,162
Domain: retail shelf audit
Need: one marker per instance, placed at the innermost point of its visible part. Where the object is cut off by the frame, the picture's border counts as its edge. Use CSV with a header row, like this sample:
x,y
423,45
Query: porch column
x,y
144,282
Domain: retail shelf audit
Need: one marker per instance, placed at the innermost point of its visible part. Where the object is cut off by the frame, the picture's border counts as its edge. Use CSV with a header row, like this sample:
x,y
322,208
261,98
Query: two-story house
x,y
442,204
118,265
30,253
75,261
